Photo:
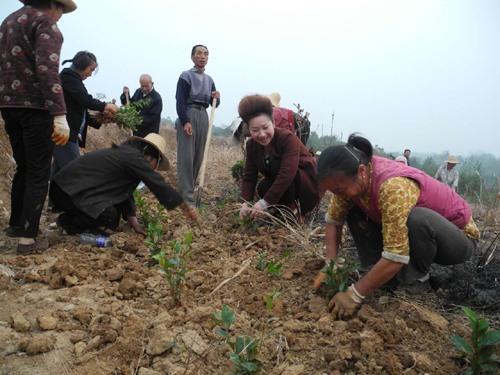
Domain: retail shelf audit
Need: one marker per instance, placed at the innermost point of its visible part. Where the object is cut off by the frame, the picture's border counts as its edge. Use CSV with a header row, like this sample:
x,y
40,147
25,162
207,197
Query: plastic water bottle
x,y
94,240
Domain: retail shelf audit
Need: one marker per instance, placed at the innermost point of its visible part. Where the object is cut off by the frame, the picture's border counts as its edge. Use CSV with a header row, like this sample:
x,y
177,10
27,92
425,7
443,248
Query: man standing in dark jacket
x,y
151,111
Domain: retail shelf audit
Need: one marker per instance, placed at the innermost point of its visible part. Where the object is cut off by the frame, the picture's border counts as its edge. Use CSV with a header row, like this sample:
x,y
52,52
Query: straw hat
x,y
68,5
275,98
452,160
158,142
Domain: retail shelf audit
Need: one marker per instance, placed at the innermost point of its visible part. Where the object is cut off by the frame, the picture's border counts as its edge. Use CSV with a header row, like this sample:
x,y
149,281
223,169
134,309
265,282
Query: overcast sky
x,y
423,75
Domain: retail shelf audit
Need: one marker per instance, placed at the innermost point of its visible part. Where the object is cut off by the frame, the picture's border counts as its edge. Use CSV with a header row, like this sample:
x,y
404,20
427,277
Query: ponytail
x,y
344,159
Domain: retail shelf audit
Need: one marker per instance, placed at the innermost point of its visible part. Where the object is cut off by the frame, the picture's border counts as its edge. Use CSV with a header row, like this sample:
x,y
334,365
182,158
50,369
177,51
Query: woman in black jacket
x,y
78,102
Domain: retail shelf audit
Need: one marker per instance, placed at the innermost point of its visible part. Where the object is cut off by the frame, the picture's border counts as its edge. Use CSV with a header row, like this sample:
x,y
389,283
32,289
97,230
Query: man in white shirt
x,y
447,173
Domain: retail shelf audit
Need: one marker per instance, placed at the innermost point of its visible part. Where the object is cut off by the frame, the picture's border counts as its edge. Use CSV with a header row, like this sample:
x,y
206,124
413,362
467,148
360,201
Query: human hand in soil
x,y
191,213
244,210
188,129
318,280
215,94
136,226
126,90
113,108
256,210
344,304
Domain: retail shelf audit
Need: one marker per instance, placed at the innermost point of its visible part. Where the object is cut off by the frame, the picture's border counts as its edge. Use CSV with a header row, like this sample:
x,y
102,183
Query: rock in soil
x,y
19,322
37,344
47,322
161,340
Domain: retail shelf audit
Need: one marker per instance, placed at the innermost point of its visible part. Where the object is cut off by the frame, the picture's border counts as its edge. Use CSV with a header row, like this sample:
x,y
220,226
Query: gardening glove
x,y
344,304
61,130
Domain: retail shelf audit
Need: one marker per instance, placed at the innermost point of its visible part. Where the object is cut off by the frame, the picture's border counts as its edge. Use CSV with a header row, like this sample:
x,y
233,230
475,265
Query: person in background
x,y
406,154
32,106
96,189
401,159
151,109
195,90
401,219
78,102
288,168
448,174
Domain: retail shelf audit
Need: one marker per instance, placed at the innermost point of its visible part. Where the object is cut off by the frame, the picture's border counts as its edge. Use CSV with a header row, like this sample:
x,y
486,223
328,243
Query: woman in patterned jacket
x,y
32,106
401,219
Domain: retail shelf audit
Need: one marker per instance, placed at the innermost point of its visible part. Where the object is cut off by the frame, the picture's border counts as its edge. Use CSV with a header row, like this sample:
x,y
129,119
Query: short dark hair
x,y
82,60
193,51
344,159
407,150
43,4
253,106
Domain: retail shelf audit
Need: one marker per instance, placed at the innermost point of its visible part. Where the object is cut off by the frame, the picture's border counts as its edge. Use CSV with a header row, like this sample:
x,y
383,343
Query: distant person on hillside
x,y
401,219
78,102
195,90
96,189
406,154
288,168
32,106
402,159
448,174
151,110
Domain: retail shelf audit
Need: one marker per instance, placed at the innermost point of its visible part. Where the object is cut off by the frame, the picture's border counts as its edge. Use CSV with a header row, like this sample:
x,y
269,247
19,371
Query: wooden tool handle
x,y
207,145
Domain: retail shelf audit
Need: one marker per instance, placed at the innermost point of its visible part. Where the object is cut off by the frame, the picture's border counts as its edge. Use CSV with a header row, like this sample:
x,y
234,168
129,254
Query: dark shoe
x,y
12,232
416,288
69,228
35,248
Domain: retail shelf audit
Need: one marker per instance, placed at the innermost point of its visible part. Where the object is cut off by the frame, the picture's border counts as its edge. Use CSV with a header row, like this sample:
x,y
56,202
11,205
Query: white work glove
x,y
61,130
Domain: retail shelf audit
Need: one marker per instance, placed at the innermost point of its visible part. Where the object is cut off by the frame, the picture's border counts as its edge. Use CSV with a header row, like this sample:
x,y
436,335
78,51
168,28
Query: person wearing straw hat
x,y
97,188
195,91
448,174
33,108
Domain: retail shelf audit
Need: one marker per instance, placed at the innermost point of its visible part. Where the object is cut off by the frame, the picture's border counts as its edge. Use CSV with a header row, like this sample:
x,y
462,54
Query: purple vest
x,y
434,195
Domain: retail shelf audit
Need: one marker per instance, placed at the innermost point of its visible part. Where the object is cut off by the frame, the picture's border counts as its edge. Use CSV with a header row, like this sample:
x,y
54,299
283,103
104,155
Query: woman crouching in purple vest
x,y
401,219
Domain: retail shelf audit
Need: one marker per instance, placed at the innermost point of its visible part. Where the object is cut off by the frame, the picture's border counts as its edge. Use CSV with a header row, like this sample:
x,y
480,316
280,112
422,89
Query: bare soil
x,y
78,309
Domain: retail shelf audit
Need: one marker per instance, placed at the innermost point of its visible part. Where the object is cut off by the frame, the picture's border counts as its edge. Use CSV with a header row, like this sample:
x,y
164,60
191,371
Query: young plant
x,y
245,351
338,276
130,117
173,263
480,355
247,223
271,266
154,239
238,169
269,298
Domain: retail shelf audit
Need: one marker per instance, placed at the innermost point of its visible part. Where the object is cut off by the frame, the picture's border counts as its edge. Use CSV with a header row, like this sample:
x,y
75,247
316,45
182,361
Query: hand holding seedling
x,y
136,226
244,210
321,276
257,210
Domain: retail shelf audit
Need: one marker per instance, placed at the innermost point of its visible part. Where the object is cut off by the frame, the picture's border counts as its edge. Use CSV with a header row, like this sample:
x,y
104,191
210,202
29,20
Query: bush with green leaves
x,y
130,118
247,223
144,207
337,277
173,264
479,353
154,238
238,169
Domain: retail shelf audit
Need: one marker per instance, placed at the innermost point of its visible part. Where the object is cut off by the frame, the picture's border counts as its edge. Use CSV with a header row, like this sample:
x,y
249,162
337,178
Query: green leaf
x,y
490,338
250,366
471,314
269,302
342,287
482,327
461,344
276,295
240,345
489,367
495,358
222,333
189,239
483,355
273,319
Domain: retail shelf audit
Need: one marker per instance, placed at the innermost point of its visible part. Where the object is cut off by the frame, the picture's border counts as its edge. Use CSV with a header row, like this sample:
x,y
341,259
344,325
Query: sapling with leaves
x,y
154,238
245,351
337,275
128,118
272,266
238,169
173,264
479,354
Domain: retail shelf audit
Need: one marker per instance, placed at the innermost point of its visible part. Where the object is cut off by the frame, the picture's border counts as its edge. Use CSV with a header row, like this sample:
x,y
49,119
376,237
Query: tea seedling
x,y
154,239
174,267
238,170
480,355
337,277
245,353
130,117
271,266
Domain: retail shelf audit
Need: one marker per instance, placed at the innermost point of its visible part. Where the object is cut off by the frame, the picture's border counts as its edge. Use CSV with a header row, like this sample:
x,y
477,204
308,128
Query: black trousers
x,y
290,195
30,132
433,239
75,220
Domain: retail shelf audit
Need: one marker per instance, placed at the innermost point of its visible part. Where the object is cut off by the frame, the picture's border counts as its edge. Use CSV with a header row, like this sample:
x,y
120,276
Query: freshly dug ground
x,y
78,309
